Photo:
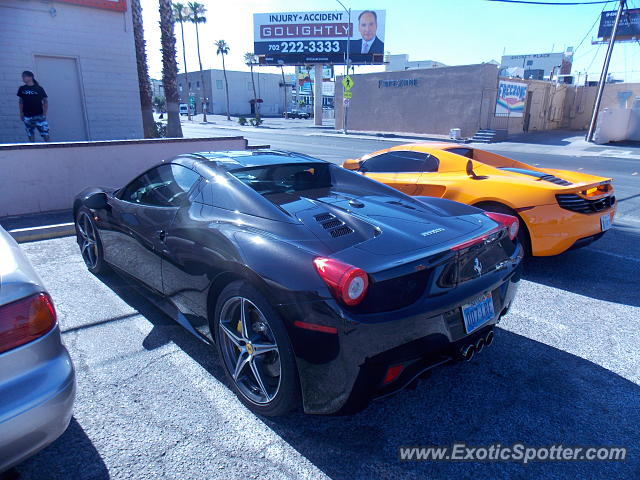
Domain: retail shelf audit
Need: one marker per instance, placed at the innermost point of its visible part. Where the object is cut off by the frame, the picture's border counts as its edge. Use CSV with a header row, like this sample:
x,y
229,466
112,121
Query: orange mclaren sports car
x,y
558,209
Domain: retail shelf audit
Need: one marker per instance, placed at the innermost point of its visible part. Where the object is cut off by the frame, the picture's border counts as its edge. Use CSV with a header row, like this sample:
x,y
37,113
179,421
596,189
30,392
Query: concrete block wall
x,y
46,177
100,40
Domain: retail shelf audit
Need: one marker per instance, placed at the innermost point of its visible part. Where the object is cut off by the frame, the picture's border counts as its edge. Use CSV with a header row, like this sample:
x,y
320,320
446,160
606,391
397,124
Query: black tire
x,y
523,232
89,241
262,397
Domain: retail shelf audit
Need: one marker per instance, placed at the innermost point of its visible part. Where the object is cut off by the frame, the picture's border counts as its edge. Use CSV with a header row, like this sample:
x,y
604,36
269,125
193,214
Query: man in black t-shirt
x,y
33,107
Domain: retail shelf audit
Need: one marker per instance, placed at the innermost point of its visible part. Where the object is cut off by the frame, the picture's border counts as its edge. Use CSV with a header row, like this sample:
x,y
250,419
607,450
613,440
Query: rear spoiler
x,y
592,191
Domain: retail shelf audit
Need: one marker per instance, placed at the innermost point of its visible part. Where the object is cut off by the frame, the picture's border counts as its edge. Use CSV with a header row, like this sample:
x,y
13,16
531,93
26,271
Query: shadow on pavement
x,y
87,464
517,390
608,269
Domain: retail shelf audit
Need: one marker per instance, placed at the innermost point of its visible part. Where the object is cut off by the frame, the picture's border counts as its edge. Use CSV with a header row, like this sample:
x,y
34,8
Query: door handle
x,y
162,235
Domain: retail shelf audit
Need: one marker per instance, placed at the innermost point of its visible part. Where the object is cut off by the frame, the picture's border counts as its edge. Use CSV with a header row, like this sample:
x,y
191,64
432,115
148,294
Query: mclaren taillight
x,y
348,283
511,223
25,320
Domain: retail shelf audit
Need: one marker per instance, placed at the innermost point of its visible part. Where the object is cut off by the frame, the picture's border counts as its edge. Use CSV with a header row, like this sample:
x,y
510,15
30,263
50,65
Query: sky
x,y
454,32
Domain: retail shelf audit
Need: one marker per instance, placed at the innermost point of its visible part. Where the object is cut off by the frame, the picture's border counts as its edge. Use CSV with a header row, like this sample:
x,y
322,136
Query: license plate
x,y
605,222
478,312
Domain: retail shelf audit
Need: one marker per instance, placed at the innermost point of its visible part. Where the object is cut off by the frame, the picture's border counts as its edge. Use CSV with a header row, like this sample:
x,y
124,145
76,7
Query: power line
x,y
551,3
592,26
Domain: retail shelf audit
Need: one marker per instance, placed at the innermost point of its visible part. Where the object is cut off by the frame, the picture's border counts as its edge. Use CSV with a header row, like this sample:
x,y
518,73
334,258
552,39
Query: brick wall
x,y
102,43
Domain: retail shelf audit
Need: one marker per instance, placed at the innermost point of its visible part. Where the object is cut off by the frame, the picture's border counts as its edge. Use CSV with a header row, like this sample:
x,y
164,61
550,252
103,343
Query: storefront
x,y
82,53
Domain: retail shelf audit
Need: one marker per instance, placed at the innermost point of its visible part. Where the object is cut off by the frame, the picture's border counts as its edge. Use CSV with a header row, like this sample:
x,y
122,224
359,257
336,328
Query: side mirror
x,y
97,201
351,164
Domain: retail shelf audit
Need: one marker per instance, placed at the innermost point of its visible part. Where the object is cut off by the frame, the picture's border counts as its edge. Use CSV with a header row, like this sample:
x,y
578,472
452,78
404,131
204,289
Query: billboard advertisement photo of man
x,y
368,28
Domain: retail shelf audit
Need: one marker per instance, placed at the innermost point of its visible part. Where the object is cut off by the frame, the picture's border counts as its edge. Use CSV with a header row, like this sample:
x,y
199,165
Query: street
x,y
564,368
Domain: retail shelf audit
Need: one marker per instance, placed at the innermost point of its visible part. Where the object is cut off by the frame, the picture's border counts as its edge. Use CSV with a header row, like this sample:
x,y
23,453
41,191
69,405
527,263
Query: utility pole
x,y
347,63
603,74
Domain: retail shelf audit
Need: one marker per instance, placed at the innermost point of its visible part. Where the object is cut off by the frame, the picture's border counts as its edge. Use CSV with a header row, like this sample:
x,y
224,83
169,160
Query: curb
x,y
46,232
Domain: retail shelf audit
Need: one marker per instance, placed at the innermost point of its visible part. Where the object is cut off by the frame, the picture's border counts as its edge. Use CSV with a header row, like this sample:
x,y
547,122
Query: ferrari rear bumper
x,y
341,372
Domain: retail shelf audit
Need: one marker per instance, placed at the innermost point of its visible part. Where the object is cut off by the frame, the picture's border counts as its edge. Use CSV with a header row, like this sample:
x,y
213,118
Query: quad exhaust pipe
x,y
470,350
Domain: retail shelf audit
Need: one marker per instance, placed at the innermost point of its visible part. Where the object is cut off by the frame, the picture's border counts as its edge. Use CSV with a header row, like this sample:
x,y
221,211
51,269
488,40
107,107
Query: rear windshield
x,y
285,178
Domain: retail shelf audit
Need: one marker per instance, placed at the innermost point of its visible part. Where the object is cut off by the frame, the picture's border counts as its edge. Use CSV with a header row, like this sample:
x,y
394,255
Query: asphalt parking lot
x,y
152,400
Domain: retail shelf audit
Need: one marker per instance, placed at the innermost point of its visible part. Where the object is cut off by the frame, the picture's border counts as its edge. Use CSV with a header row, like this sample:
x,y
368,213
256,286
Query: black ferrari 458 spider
x,y
318,286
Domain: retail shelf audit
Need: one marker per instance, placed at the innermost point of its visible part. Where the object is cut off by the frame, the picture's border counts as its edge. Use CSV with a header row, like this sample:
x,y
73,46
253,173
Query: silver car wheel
x,y
249,350
88,240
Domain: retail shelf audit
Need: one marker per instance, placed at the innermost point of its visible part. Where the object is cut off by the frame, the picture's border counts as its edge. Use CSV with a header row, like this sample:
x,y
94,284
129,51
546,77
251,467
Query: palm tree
x,y
250,59
181,15
148,123
223,49
170,69
196,16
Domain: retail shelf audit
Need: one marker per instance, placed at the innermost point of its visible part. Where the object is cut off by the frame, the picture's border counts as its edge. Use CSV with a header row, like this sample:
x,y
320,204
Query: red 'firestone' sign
x,y
118,5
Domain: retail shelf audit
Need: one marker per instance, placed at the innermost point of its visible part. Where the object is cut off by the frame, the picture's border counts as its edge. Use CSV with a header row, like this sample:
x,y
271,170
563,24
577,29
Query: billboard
x,y
298,38
119,5
511,98
628,28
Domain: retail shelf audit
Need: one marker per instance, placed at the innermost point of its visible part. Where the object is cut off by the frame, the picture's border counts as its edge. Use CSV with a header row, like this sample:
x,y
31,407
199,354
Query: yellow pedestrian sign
x,y
347,83
348,94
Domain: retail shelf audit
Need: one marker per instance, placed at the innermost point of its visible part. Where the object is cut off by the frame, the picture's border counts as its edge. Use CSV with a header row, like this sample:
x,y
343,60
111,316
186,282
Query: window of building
x,y
529,63
189,85
219,84
198,84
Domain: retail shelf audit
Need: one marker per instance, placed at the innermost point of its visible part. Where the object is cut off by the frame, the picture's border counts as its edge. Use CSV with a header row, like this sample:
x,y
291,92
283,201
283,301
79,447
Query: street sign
x,y
348,94
347,83
345,102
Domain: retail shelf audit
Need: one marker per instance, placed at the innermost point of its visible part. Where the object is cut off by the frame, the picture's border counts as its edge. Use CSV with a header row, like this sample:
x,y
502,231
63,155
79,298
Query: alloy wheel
x,y
88,240
250,350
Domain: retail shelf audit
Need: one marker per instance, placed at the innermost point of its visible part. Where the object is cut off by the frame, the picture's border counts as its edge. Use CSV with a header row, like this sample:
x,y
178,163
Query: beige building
x,y
435,100
432,100
82,53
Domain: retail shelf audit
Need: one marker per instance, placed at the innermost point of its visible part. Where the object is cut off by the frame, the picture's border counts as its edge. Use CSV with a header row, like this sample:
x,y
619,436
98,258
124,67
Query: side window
x,y
464,152
400,161
162,186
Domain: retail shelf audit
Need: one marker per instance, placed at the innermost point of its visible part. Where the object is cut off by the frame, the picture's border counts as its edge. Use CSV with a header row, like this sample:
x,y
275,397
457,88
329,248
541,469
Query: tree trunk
x,y
204,101
226,86
148,123
170,69
255,98
186,72
284,87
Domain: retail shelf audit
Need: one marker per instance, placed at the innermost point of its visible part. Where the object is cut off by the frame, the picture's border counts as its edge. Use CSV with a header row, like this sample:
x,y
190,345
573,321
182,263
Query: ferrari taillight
x,y
509,221
347,283
25,320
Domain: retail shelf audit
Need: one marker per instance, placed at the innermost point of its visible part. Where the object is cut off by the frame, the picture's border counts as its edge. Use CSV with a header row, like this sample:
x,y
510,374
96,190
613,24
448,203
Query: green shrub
x,y
257,121
161,130
242,121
